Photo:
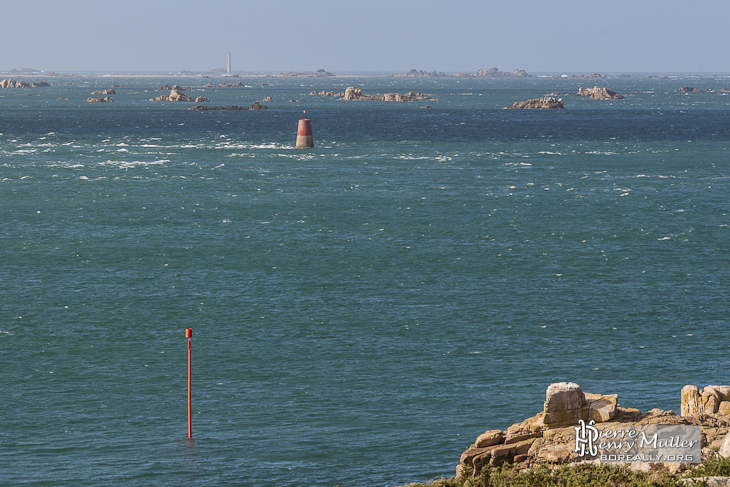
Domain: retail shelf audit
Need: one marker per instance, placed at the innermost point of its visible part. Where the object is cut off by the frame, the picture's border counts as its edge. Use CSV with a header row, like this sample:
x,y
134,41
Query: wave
x,y
265,145
130,164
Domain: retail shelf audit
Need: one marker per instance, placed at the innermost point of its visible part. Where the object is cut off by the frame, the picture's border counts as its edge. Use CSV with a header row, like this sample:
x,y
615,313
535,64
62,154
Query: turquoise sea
x,y
362,311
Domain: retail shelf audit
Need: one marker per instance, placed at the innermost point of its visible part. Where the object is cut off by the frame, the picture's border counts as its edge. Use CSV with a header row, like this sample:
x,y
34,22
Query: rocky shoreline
x,y
549,438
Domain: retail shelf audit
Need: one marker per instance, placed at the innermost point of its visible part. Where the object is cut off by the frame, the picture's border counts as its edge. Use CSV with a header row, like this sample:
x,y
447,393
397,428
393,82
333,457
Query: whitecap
x,y
254,146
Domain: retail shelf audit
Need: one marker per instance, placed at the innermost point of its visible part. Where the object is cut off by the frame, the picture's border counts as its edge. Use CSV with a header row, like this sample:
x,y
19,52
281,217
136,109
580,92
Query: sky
x,y
393,36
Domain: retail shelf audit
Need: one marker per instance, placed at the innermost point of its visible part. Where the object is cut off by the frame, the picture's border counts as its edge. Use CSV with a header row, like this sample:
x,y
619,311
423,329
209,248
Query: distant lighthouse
x,y
228,69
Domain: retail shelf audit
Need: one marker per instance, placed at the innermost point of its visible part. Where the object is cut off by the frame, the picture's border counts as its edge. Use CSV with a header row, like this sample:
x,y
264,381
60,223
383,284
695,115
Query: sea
x,y
362,310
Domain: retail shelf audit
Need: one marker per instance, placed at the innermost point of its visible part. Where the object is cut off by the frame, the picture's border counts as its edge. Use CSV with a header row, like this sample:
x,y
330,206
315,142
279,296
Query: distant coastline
x,y
492,73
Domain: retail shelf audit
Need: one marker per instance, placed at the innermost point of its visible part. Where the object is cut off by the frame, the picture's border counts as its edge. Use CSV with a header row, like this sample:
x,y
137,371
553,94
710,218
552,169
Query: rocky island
x,y
495,73
237,84
481,73
689,89
98,99
255,106
177,95
598,93
14,83
547,102
354,93
320,73
415,73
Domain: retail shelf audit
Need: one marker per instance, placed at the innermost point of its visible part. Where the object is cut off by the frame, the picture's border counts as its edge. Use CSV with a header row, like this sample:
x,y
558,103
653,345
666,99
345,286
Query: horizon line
x,y
221,72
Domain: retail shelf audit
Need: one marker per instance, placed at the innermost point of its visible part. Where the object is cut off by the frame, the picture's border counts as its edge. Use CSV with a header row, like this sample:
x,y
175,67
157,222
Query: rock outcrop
x,y
549,438
541,103
104,92
331,94
98,99
566,403
14,83
599,93
177,95
697,403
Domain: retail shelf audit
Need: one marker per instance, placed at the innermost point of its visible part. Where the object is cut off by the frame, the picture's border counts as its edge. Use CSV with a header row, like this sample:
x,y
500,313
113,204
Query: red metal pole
x,y
189,334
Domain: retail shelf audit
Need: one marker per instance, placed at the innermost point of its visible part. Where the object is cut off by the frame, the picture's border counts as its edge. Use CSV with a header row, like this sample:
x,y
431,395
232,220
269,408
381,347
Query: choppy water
x,y
363,310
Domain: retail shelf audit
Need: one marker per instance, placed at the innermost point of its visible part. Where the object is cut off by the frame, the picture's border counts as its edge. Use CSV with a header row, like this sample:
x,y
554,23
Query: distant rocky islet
x,y
177,95
353,93
495,73
255,106
356,94
99,99
543,103
548,102
14,83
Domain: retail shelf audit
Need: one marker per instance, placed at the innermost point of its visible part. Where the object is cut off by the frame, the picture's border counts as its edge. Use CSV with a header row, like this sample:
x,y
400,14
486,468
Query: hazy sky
x,y
377,35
